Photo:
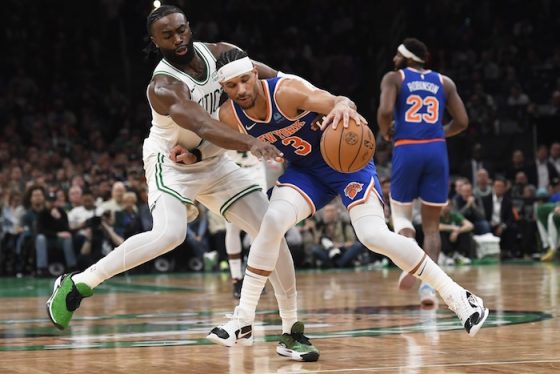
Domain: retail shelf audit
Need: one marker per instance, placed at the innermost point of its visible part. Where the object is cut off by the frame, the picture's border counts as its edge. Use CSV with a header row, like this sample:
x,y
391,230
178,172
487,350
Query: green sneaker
x,y
297,346
65,299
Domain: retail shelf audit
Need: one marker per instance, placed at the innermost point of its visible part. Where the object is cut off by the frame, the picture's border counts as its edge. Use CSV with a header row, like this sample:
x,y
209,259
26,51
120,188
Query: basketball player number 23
x,y
302,147
432,108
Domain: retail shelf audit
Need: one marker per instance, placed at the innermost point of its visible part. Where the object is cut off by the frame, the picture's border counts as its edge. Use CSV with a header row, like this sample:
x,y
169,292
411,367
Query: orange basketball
x,y
347,149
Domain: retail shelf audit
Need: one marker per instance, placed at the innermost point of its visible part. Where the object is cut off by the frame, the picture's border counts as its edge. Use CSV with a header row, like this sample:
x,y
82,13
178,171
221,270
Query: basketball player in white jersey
x,y
182,93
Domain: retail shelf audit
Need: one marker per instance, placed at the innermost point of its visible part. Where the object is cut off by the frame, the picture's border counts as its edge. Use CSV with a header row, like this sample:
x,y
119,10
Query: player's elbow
x,y
462,122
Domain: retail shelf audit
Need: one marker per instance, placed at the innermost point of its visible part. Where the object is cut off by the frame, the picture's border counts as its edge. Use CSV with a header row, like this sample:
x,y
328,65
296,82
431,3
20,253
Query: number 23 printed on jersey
x,y
416,102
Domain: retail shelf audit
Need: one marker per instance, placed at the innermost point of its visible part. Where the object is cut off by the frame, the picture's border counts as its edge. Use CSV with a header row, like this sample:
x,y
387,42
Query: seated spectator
x,y
456,235
127,220
517,164
555,155
472,208
482,185
500,214
85,222
543,171
337,245
116,202
471,166
53,233
10,232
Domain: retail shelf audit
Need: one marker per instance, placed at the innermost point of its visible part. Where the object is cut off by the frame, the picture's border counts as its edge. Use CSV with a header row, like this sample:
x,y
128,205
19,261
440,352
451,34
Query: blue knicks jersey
x,y
295,137
420,106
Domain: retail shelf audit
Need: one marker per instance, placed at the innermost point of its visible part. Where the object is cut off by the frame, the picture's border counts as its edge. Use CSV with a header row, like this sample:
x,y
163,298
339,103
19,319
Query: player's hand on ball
x,y
181,155
342,112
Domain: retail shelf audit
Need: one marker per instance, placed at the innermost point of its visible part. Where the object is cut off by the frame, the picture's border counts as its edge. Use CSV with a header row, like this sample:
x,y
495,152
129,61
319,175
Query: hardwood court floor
x,y
359,321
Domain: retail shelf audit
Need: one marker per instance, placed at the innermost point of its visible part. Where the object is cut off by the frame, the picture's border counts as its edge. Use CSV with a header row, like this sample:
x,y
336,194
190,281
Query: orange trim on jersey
x,y
305,196
268,105
366,195
417,141
280,81
239,123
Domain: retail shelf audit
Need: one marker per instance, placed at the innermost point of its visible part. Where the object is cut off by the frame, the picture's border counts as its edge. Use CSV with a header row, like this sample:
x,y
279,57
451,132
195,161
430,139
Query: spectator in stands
x,y
74,197
472,208
555,155
543,171
85,223
127,220
115,204
499,212
10,232
144,209
475,163
53,233
517,164
337,245
456,236
482,187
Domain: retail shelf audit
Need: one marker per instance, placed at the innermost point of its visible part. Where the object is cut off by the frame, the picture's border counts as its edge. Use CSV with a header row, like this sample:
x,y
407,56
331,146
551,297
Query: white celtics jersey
x,y
165,133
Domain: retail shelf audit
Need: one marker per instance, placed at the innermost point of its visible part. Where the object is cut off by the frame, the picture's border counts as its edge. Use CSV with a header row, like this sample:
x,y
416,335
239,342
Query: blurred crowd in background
x,y
73,115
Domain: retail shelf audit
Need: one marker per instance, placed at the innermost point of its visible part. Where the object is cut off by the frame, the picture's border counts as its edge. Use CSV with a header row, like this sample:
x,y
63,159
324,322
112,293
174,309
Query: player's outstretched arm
x,y
294,96
389,90
455,107
171,97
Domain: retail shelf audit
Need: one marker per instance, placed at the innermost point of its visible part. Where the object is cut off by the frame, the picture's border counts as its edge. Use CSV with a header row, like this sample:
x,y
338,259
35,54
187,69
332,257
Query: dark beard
x,y
178,60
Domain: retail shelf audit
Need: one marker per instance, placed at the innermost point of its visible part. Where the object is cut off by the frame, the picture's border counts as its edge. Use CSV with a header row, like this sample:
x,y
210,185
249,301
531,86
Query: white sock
x,y
235,268
428,271
91,276
253,285
287,306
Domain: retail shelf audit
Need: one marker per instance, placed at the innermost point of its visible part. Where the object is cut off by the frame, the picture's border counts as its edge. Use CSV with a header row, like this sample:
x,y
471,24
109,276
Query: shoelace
x,y
300,338
73,299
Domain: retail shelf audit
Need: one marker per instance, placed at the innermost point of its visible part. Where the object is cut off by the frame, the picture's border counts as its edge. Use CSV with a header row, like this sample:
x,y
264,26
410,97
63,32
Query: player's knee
x,y
173,237
275,222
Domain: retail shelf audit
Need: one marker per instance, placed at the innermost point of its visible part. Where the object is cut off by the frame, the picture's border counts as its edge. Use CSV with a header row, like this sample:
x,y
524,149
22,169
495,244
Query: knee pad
x,y
401,216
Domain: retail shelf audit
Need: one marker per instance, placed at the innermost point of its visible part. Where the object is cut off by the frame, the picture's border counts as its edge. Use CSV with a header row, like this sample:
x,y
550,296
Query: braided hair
x,y
230,56
151,50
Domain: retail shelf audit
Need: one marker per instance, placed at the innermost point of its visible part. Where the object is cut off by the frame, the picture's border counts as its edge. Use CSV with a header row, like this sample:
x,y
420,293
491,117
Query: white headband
x,y
235,69
406,53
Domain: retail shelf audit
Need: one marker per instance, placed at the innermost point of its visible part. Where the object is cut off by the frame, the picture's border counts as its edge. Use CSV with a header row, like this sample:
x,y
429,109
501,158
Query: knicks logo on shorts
x,y
352,189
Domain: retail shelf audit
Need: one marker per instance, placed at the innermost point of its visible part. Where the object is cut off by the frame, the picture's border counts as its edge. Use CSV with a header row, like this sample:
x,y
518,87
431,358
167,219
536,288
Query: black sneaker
x,y
297,346
237,284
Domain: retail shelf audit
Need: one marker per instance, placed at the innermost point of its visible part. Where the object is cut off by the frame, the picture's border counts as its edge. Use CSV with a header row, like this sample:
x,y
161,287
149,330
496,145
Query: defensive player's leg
x,y
234,250
369,224
169,230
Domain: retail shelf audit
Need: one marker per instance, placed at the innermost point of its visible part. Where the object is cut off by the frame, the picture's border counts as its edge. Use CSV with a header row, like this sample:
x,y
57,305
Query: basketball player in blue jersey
x,y
416,99
283,111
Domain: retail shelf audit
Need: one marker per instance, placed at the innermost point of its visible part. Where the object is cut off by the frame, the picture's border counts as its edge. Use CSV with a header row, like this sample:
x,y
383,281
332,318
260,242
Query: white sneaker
x,y
470,310
428,297
235,331
406,281
461,260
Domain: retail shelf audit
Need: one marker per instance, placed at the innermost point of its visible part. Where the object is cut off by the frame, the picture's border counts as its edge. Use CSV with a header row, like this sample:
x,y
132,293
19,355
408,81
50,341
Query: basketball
x,y
347,149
